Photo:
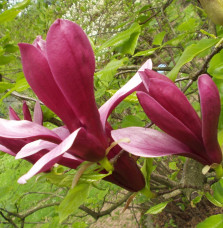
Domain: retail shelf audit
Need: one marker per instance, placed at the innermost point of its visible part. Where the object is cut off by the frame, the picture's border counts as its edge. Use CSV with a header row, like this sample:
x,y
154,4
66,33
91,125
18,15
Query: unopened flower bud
x,y
214,10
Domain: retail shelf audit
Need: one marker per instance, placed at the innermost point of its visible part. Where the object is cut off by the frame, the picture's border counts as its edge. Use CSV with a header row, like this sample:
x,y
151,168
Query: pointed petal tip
x,y
38,114
17,157
210,112
12,114
134,84
147,65
22,180
23,45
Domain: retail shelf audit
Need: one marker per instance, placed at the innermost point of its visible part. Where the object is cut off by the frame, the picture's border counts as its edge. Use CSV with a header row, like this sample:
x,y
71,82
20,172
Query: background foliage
x,y
182,43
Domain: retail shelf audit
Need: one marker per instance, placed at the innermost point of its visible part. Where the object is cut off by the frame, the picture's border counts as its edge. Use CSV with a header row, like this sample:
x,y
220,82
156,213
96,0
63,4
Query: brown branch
x,y
8,219
96,215
23,97
132,69
124,72
42,193
89,212
159,11
203,69
33,210
10,213
180,186
163,180
182,79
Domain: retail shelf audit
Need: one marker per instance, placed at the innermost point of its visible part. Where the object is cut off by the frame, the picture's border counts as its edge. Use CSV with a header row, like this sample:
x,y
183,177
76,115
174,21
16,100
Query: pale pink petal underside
x,y
132,85
34,147
48,160
149,142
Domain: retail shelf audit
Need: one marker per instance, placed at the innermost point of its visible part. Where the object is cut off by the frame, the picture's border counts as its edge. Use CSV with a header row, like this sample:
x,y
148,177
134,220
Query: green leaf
x,y
73,200
173,166
107,74
188,25
122,37
19,86
214,221
196,200
11,48
66,180
59,180
216,67
220,138
100,92
144,8
157,208
218,191
212,199
129,46
47,113
147,169
54,222
5,59
12,13
8,15
4,86
158,39
146,52
131,120
131,98
22,5
79,225
175,41
190,52
208,34
173,175
92,177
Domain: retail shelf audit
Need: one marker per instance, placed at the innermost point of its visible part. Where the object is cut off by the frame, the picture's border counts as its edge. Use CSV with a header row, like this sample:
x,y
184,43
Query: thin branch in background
x,y
163,180
37,208
182,79
24,97
134,214
124,72
149,125
203,69
192,92
155,14
8,219
8,79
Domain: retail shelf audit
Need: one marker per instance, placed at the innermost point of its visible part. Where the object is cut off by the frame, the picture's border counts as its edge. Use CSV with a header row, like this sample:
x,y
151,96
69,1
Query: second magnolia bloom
x,y
169,109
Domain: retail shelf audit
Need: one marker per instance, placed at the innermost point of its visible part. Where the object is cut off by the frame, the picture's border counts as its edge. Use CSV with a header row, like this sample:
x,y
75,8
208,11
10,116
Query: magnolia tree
x,y
90,145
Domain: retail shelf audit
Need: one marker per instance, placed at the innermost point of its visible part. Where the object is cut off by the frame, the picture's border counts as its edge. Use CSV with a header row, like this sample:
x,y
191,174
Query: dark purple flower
x,y
60,71
169,109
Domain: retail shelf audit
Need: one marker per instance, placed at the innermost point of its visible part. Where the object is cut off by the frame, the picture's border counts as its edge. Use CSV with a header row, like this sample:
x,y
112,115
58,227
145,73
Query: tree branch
x,y
163,180
8,219
96,215
203,69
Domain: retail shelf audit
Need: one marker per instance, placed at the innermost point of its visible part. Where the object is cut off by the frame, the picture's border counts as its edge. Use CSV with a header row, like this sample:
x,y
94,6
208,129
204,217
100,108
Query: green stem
x,y
106,164
219,171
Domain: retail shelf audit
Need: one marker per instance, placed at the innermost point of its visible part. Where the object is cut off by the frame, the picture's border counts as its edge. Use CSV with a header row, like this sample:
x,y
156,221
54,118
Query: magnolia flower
x,y
169,109
12,145
60,71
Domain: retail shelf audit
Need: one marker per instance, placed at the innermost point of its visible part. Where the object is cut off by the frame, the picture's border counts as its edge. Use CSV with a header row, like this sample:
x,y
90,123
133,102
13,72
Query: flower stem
x,y
105,163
